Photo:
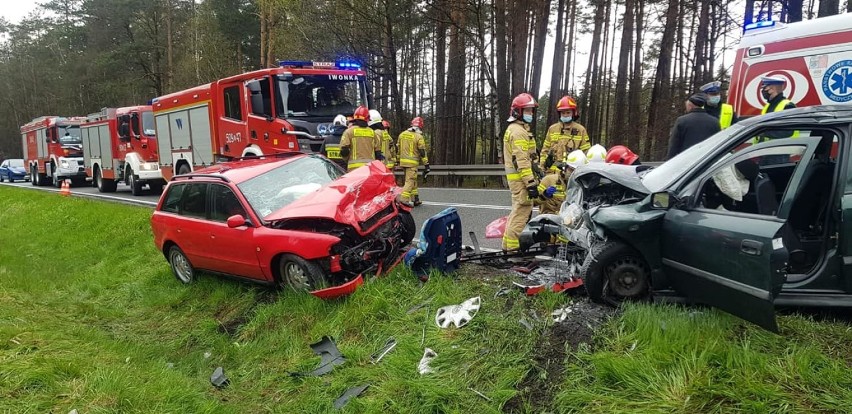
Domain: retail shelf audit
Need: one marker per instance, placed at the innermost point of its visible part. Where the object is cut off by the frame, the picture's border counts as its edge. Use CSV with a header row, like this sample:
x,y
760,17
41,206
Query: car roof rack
x,y
192,176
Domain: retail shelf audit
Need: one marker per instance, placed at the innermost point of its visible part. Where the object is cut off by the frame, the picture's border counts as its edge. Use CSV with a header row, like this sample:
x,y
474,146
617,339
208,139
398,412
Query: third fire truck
x,y
289,108
53,150
120,145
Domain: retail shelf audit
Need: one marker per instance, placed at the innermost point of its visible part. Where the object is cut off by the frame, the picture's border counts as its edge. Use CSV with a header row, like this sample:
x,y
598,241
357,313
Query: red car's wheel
x,y
181,267
299,274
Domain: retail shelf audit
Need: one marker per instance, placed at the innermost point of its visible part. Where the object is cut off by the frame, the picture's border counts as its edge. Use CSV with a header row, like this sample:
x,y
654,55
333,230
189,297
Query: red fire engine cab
x,y
120,144
814,56
53,151
289,108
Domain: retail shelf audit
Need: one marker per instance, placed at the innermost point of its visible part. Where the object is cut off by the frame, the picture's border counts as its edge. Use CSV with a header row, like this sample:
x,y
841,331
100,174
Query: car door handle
x,y
751,247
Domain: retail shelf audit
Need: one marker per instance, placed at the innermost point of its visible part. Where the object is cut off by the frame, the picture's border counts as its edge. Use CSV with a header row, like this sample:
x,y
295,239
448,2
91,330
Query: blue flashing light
x,y
348,65
759,25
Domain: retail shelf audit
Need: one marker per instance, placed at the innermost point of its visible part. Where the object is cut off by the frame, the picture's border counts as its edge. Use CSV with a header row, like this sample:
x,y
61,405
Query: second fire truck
x,y
120,145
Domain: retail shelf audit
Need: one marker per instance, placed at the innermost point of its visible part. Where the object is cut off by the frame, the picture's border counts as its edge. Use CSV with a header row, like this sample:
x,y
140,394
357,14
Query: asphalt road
x,y
476,207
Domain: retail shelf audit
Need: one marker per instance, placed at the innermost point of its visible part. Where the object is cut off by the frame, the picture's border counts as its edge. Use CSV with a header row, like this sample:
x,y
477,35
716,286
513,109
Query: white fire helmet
x,y
375,118
597,153
575,159
339,120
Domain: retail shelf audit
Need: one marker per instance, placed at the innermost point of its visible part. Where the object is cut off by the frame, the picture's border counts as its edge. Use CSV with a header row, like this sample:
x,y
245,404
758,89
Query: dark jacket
x,y
690,129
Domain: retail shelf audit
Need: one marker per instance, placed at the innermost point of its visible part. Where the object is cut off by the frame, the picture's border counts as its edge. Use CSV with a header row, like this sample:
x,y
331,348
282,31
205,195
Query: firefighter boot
x,y
417,201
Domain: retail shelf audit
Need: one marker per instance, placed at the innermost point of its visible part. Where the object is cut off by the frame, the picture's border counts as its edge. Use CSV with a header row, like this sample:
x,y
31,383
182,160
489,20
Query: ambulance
x,y
814,56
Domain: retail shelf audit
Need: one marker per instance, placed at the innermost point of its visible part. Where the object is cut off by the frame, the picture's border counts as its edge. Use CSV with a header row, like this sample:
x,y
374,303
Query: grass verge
x,y
91,318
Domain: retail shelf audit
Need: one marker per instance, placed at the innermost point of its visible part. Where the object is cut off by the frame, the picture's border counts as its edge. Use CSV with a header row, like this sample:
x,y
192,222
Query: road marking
x,y
506,190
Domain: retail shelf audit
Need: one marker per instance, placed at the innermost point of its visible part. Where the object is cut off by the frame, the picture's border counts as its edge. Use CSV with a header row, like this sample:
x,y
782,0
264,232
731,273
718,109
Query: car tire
x,y
299,274
181,267
133,182
104,185
614,272
409,228
2,179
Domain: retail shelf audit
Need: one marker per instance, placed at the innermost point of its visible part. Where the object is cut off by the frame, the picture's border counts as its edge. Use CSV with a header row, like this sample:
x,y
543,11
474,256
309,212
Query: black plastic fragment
x,y
348,395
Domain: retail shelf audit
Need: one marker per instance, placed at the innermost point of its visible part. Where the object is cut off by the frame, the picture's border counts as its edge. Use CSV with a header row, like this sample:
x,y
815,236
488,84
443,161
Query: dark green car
x,y
755,216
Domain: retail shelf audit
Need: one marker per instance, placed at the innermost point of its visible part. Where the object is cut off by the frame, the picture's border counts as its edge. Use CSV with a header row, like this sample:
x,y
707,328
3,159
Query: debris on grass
x,y
480,394
423,367
458,315
560,315
218,379
330,356
348,395
390,344
526,324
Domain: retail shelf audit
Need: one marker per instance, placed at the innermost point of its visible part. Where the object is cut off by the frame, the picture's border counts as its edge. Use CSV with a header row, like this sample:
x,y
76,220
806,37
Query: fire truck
x,y
814,56
120,144
53,150
289,108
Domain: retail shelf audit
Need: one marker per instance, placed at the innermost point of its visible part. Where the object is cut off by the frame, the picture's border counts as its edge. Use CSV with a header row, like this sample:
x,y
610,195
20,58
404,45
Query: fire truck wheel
x,y
181,267
156,188
299,274
133,182
54,179
105,185
35,180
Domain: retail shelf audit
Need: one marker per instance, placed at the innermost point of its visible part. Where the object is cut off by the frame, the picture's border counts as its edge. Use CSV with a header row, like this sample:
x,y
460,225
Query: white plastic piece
x,y
423,367
458,315
560,315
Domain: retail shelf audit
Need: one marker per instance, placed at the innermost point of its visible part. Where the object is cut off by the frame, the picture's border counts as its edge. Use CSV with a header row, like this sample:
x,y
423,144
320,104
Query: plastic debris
x,y
74,411
348,395
218,379
458,315
496,228
560,315
423,367
330,356
170,365
526,324
479,394
207,355
390,344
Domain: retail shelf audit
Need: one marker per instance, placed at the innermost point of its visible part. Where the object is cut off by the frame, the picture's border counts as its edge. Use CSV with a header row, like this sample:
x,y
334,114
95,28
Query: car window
x,y
224,203
275,189
4,164
755,184
194,200
172,202
16,163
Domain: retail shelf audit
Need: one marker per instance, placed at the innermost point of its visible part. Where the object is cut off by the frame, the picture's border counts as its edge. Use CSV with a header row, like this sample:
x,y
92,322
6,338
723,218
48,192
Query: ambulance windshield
x,y
320,96
69,134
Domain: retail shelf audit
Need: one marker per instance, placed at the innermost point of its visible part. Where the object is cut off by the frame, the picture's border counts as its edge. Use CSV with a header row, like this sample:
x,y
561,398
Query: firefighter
x,y
619,154
359,144
331,146
564,136
722,111
692,128
389,149
553,186
519,154
412,153
596,154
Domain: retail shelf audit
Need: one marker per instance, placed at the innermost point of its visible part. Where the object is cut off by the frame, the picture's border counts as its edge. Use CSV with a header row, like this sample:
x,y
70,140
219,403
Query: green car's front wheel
x,y
615,272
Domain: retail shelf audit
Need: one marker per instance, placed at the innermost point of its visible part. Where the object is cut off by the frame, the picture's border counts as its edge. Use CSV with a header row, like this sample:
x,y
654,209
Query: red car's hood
x,y
351,199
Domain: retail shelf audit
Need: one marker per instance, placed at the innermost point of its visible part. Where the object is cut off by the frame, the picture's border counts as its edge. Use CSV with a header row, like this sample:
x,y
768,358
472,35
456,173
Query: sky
x,y
15,10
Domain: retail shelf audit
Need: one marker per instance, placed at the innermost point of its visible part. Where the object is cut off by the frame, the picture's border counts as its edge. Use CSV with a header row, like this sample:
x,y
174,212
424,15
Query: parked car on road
x,y
293,220
13,169
755,216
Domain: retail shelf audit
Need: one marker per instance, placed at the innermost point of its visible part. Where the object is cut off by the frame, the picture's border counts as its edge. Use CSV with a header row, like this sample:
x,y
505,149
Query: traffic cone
x,y
66,189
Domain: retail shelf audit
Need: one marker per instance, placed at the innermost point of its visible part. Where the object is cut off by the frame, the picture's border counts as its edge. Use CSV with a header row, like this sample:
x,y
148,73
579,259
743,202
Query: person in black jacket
x,y
692,128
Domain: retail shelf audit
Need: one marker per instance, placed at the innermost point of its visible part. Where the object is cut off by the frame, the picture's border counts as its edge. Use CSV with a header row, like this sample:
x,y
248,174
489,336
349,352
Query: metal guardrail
x,y
480,169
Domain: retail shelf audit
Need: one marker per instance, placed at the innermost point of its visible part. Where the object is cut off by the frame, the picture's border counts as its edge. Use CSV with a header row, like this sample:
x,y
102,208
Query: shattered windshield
x,y
323,96
69,134
275,189
660,178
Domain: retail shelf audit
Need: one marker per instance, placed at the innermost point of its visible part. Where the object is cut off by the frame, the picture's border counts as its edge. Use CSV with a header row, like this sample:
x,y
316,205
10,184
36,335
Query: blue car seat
x,y
439,246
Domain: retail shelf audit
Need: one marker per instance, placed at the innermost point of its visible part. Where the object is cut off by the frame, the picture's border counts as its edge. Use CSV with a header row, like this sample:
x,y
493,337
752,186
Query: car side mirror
x,y
236,220
662,200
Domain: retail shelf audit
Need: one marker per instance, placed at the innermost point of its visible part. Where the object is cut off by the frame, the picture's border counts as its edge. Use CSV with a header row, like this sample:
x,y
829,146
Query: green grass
x,y
91,318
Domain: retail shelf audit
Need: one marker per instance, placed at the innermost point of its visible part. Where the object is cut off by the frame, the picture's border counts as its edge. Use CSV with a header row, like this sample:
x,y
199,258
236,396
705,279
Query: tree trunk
x,y
571,62
621,123
169,55
634,132
439,147
518,22
455,84
556,68
542,18
659,107
590,88
702,72
794,10
828,8
263,34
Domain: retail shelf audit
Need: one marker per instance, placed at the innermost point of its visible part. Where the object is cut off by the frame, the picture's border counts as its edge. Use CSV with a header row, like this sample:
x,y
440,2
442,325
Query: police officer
x,y
359,144
412,153
564,136
692,128
722,111
772,90
519,154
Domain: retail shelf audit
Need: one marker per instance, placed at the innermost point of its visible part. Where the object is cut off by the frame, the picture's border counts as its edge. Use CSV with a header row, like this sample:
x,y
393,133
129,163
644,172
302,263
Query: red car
x,y
292,220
